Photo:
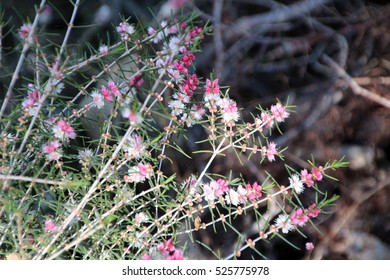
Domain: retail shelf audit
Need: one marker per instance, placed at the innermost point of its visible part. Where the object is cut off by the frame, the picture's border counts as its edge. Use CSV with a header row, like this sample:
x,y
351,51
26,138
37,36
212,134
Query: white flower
x,y
98,99
134,175
232,197
134,146
177,107
84,154
140,218
174,45
208,193
296,183
103,49
283,222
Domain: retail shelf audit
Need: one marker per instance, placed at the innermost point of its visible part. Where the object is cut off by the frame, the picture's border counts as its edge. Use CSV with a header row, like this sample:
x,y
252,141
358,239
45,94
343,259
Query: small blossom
x,y
230,112
313,211
197,112
254,191
140,218
113,88
63,130
134,146
296,183
55,71
309,246
125,30
232,197
24,30
283,222
317,173
279,112
208,192
212,87
50,226
106,94
220,187
136,81
307,178
85,154
140,173
133,117
299,217
271,151
242,194
97,99
103,49
176,106
267,120
51,149
174,45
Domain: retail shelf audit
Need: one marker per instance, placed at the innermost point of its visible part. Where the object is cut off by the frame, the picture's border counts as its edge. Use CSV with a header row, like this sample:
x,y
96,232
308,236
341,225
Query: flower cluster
x,y
309,178
30,104
220,190
24,30
139,173
125,30
165,251
298,218
127,187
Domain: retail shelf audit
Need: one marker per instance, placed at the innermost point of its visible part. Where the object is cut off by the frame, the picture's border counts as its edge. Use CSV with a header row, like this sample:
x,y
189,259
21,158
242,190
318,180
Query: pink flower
x,y
230,112
139,173
50,226
208,192
279,112
242,194
254,191
220,187
113,88
168,251
313,211
51,149
317,173
137,81
55,71
307,178
197,112
106,94
271,151
299,217
24,30
146,257
188,58
309,246
267,120
180,67
212,86
125,30
31,103
63,130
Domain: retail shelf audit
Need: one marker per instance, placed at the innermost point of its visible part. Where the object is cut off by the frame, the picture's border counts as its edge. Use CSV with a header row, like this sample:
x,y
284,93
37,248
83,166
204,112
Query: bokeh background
x,y
330,58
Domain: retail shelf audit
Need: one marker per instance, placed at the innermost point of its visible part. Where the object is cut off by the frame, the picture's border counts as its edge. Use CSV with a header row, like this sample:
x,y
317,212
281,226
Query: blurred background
x,y
330,58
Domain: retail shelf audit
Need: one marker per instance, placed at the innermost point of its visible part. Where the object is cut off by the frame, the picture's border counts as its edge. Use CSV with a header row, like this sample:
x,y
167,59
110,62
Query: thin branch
x,y
358,90
26,47
32,180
